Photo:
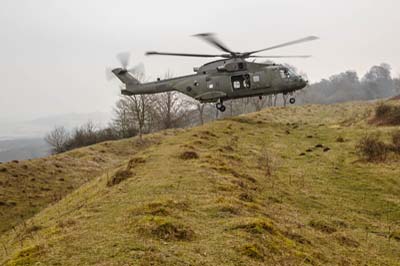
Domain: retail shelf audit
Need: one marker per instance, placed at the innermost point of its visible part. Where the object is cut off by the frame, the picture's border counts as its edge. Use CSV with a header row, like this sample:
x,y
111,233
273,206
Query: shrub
x,y
387,114
61,140
396,141
372,149
383,110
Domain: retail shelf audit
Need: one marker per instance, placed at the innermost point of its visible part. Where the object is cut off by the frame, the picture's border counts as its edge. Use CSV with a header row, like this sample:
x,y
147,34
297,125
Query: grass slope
x,y
202,197
27,187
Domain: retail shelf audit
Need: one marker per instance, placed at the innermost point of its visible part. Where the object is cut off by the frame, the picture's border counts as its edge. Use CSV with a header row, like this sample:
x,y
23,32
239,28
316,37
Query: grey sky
x,y
53,53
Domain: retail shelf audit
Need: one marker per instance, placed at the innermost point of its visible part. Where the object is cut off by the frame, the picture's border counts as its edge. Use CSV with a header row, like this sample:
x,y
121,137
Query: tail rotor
x,y
123,58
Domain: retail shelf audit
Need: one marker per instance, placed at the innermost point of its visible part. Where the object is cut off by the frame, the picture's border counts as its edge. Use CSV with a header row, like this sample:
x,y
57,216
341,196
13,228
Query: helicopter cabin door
x,y
241,82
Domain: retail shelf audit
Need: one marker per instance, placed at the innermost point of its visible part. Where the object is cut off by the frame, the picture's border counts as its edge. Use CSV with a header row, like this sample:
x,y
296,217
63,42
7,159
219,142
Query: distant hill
x,y
23,149
37,128
23,140
283,186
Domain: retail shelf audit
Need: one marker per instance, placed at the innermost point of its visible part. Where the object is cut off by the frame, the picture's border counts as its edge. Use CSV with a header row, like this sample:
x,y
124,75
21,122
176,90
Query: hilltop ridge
x,y
279,187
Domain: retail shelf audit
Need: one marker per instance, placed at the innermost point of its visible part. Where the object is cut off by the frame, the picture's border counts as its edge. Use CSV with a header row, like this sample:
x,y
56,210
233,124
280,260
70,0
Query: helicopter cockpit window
x,y
291,73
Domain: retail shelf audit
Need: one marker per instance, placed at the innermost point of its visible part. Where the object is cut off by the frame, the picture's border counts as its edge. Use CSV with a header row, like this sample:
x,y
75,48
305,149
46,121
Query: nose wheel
x,y
221,107
292,100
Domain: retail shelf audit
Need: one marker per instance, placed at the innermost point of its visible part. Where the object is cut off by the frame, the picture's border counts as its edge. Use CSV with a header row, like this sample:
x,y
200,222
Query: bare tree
x,y
170,109
57,139
285,97
200,108
269,102
397,85
259,102
275,99
141,110
122,120
135,113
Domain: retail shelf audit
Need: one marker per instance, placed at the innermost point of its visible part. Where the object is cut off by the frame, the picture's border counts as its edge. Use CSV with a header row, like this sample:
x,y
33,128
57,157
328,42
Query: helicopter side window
x,y
236,84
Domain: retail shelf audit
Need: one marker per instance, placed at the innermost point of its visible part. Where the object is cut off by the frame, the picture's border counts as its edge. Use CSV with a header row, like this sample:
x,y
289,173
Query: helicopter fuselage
x,y
226,79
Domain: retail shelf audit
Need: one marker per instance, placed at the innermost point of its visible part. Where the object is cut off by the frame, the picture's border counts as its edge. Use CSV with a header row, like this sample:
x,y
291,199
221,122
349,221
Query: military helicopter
x,y
231,77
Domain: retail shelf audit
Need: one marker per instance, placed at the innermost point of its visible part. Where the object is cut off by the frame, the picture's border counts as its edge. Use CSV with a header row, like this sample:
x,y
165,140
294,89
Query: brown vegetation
x,y
387,114
119,176
189,155
372,149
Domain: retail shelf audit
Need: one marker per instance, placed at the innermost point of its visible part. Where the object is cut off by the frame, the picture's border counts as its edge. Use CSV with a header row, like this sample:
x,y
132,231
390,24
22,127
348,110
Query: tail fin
x,y
124,76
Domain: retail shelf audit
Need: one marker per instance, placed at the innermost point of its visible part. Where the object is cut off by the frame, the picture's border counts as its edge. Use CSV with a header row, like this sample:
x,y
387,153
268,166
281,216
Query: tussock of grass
x,y
228,210
246,197
347,241
253,251
189,155
297,237
161,208
26,256
119,176
66,223
322,226
165,229
395,235
135,162
256,226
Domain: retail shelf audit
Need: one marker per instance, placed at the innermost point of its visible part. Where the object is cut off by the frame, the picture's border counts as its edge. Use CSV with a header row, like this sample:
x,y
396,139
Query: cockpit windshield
x,y
291,73
287,73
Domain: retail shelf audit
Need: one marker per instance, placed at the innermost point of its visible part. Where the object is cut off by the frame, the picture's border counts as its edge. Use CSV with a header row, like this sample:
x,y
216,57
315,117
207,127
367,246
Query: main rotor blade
x,y
183,54
306,39
279,56
210,38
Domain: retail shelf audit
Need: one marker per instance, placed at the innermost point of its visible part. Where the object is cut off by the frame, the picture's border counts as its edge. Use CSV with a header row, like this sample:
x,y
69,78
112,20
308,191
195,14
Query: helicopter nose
x,y
303,83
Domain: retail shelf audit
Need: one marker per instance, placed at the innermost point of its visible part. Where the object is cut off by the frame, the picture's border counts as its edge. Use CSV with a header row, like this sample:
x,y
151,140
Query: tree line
x,y
377,83
142,114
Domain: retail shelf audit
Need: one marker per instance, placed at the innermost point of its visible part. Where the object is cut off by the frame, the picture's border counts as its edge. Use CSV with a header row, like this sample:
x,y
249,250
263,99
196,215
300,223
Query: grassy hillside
x,y
26,187
279,187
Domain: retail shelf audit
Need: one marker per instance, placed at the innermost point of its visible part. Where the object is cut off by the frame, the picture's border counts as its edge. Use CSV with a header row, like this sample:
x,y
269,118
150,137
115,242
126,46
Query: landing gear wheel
x,y
292,100
220,106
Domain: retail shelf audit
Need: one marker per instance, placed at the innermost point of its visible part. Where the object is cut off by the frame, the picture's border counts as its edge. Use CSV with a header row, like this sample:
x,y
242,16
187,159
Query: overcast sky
x,y
53,53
